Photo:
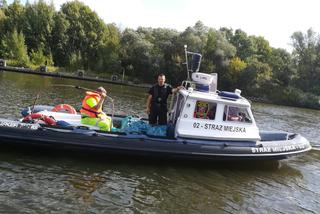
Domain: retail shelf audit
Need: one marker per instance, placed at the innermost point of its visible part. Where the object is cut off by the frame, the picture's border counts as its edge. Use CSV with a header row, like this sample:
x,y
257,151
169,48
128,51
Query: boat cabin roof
x,y
215,97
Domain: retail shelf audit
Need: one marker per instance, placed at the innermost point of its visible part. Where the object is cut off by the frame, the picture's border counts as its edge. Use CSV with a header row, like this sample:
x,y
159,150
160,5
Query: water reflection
x,y
103,184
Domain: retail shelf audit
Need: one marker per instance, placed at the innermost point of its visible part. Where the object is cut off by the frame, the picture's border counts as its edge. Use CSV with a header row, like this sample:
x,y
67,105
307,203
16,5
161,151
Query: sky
x,y
275,20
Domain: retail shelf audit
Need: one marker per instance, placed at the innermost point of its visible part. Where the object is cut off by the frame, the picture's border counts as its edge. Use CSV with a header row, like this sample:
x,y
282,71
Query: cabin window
x,y
205,110
235,113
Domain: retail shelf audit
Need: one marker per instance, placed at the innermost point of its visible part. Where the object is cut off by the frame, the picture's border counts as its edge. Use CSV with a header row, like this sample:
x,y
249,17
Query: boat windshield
x,y
235,113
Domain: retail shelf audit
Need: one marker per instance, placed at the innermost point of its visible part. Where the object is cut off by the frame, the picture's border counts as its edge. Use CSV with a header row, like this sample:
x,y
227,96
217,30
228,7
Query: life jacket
x,y
86,109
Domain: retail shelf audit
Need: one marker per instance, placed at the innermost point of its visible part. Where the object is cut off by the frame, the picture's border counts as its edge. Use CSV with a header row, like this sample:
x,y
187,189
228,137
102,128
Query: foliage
x,y
38,58
59,40
296,97
75,62
234,70
2,22
282,67
217,55
38,24
88,36
15,17
256,78
136,53
243,43
261,49
306,56
13,47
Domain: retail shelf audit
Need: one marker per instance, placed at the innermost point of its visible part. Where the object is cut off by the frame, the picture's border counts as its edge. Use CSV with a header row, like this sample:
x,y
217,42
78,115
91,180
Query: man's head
x,y
101,90
161,79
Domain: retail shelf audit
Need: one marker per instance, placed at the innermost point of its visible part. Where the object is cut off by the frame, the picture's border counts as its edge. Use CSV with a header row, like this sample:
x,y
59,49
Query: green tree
x,y
15,17
2,23
75,62
256,78
163,55
136,54
108,51
218,53
166,58
88,35
38,58
195,37
234,71
38,25
14,48
306,55
228,33
282,67
262,50
59,40
243,44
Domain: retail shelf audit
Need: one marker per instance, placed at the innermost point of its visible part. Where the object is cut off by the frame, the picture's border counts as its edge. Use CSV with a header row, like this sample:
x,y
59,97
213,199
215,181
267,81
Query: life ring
x,y
37,116
64,107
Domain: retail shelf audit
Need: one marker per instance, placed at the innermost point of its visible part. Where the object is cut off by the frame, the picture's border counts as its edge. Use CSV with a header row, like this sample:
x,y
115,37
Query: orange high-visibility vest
x,y
86,109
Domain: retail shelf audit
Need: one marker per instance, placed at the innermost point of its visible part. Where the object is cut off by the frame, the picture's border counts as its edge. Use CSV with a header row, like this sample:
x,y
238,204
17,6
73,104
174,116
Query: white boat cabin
x,y
202,112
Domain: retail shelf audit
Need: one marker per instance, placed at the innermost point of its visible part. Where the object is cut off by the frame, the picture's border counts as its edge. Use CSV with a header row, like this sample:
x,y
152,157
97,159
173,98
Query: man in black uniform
x,y
157,101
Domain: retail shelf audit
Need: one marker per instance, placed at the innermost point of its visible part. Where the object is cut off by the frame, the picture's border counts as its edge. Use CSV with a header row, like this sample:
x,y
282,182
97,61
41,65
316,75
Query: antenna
x,y
186,53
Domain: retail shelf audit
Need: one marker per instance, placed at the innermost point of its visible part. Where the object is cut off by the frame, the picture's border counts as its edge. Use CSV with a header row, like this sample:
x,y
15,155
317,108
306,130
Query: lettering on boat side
x,y
209,126
17,125
277,149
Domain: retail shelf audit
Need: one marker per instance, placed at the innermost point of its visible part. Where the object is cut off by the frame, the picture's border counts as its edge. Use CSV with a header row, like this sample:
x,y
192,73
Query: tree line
x,y
75,37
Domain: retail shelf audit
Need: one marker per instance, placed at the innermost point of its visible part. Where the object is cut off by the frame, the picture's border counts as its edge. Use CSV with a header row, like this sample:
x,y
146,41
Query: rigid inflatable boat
x,y
203,123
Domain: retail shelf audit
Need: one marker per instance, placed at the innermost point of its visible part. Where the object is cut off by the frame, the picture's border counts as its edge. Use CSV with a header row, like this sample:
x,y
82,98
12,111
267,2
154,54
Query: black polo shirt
x,y
160,94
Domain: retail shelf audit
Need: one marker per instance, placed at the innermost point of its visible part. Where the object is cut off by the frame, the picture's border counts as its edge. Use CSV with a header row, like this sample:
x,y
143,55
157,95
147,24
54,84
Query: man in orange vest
x,y
91,110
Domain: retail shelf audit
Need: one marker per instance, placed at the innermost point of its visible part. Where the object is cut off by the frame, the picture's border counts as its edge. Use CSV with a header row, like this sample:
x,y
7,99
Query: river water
x,y
37,182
